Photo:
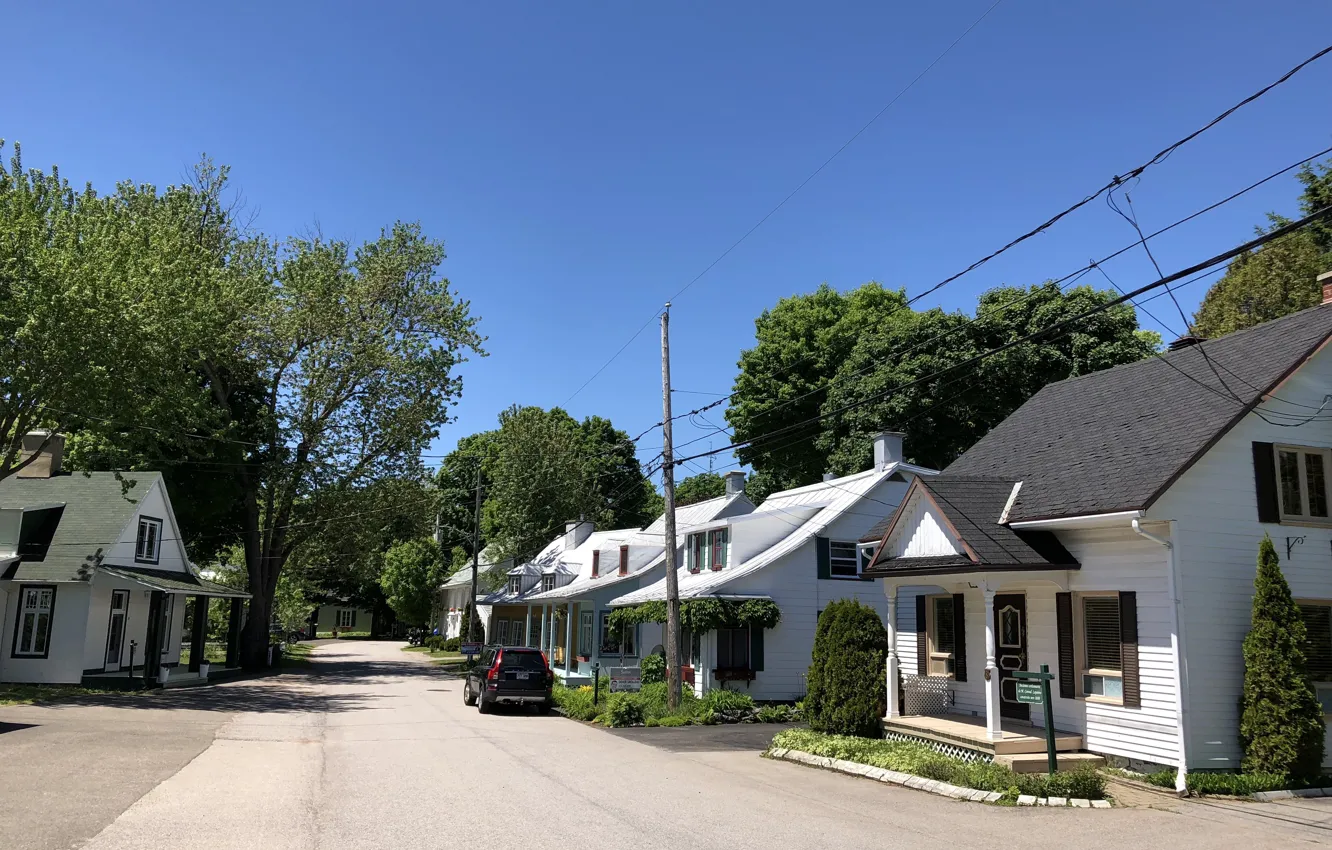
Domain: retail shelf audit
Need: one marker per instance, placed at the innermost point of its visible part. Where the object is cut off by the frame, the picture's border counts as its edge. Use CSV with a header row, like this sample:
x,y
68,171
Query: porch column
x,y
527,628
200,632
234,623
154,638
992,720
890,591
596,638
568,640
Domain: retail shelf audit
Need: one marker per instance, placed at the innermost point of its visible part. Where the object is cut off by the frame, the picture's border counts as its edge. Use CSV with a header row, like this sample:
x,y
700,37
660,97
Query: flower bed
x,y
648,707
918,759
1236,784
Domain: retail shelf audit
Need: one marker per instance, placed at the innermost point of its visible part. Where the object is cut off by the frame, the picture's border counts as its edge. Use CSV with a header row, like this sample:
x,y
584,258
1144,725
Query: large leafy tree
x,y
99,295
1278,278
353,354
883,366
699,488
413,572
545,468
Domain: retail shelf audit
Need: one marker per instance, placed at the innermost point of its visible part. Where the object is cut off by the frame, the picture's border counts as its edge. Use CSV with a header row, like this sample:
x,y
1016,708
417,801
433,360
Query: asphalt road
x,y
376,749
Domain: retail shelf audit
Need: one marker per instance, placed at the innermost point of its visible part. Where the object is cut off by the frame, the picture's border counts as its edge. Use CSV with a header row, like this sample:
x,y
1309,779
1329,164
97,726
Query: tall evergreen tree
x,y
1281,724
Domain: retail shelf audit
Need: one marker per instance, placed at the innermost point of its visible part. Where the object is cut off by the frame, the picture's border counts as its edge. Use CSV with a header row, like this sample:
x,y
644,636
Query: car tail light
x,y
493,673
550,674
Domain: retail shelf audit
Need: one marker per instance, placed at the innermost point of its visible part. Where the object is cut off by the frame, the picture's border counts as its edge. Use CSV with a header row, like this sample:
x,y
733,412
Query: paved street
x,y
374,748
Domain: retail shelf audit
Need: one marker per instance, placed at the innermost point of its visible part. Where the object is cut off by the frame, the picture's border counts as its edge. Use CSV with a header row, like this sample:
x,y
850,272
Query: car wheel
x,y
481,704
468,697
543,708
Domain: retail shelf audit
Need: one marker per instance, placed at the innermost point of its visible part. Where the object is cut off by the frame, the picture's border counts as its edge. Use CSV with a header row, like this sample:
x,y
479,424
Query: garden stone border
x,y
1269,796
920,783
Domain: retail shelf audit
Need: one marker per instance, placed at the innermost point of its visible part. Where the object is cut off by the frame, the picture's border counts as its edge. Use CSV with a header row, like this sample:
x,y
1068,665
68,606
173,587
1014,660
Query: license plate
x,y
520,676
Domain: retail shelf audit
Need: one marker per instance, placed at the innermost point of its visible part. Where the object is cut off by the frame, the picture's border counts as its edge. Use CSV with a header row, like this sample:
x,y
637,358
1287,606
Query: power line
x,y
792,193
1271,235
1132,173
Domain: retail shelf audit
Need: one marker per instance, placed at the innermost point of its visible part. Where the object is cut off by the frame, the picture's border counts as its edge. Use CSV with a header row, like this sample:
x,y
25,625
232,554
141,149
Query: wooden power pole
x,y
668,485
470,612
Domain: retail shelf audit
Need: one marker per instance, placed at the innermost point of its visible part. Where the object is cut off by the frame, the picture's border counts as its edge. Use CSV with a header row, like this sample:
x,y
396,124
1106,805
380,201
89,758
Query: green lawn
x,y
19,694
440,657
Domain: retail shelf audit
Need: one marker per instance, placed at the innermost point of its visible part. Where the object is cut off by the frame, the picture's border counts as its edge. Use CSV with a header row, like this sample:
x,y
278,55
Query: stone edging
x,y
920,783
1268,796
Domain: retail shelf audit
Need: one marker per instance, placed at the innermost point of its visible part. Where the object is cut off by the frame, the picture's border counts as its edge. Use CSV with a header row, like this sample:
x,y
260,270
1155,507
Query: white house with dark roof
x,y
1109,529
94,577
797,549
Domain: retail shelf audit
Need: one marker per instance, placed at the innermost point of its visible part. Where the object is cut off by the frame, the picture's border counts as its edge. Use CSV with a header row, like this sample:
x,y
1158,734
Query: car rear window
x,y
522,660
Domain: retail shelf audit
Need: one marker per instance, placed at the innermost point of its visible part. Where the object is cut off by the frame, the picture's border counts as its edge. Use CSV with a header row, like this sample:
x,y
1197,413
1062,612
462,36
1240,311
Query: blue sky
x,y
583,161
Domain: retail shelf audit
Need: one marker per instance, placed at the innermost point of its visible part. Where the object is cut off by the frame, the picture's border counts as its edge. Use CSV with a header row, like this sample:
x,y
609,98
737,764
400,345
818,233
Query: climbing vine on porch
x,y
704,615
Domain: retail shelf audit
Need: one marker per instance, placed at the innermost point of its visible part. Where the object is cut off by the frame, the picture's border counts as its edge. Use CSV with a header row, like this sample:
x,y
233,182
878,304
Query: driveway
x,y
375,749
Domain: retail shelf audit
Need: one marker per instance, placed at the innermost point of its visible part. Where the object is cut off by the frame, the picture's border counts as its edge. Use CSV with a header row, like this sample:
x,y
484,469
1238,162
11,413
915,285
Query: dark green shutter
x,y
1265,482
959,638
1064,633
1128,648
756,648
353,625
824,556
922,639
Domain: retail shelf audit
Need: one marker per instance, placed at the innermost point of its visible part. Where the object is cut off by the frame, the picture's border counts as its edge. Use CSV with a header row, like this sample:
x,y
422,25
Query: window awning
x,y
170,581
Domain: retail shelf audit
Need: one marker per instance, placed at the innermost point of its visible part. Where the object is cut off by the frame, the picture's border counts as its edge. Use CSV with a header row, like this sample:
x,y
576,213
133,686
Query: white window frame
x,y
34,591
586,634
141,538
515,585
853,560
347,615
709,540
933,655
1080,649
501,632
547,582
1304,517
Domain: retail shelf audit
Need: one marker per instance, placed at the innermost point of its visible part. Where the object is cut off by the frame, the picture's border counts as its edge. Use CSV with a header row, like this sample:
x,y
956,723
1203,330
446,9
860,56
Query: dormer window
x,y
515,585
148,543
547,583
709,549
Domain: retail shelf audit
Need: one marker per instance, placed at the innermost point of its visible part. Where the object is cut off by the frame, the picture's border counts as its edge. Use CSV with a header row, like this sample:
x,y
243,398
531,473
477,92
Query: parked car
x,y
511,675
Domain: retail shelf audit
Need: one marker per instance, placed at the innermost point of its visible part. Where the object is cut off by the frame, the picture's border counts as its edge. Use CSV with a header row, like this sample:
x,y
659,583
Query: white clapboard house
x,y
797,549
1109,529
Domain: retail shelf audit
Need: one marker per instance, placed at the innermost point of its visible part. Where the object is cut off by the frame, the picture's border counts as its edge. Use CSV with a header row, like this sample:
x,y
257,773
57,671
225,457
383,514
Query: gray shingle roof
x,y
973,507
1115,440
175,582
96,511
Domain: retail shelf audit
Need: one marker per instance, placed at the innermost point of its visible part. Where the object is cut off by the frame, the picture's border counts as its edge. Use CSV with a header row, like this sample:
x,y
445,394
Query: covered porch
x,y
176,650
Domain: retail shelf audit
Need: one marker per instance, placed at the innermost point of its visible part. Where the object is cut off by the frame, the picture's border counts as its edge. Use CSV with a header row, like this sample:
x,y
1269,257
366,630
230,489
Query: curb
x,y
920,783
1269,796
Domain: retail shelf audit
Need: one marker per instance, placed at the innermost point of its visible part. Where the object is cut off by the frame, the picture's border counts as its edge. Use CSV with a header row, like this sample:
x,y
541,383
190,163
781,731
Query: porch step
x,y
1037,762
970,733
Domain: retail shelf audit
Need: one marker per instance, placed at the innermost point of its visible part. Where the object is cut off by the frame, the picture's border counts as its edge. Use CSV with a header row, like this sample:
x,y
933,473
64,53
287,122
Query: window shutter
x,y
922,638
624,560
824,555
756,648
353,625
959,638
1265,482
1318,641
1128,648
1064,629
596,563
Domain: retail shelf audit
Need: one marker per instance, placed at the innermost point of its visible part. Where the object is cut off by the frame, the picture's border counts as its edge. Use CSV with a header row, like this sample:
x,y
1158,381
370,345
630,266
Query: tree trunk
x,y
254,637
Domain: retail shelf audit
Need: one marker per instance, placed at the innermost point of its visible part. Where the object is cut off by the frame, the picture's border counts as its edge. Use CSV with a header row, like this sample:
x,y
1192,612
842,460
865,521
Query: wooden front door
x,y
1010,640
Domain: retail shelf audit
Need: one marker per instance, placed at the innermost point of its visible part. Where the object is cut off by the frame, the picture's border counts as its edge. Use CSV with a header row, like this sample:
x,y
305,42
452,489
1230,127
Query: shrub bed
x,y
1236,784
905,757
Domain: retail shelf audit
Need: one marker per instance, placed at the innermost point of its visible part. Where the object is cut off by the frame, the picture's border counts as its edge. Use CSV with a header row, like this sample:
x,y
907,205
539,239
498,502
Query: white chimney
x,y
48,461
575,532
828,476
735,482
887,449
1326,280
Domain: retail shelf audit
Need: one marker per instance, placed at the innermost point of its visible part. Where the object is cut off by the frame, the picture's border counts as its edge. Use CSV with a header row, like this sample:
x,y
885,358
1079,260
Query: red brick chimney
x,y
1326,280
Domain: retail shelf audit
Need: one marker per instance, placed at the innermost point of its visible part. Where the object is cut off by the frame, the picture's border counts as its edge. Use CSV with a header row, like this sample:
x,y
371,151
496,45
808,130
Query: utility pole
x,y
668,485
470,612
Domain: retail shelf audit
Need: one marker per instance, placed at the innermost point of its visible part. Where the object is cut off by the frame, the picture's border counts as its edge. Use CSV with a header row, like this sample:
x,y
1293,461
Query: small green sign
x,y
1029,692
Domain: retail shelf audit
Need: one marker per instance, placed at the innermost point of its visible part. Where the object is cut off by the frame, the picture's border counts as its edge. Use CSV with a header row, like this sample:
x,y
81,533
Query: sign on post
x,y
470,649
625,679
1037,685
1029,692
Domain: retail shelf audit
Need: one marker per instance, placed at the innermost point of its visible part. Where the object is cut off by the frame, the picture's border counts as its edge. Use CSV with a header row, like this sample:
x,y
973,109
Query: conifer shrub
x,y
847,690
1281,721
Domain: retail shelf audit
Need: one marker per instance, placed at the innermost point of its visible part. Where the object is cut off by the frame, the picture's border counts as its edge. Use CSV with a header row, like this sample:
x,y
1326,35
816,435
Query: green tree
x,y
799,346
353,353
1281,721
99,294
699,488
847,690
1278,278
546,468
413,572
